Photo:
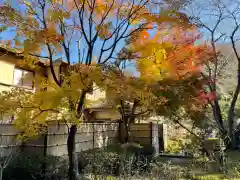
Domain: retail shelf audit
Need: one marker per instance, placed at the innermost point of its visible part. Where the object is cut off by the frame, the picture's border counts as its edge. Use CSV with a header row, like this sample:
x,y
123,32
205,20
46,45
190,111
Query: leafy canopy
x,y
108,32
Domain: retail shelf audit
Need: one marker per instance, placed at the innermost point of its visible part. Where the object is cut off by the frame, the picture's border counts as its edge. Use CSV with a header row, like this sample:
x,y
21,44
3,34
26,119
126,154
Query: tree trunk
x,y
127,132
73,160
231,115
71,146
217,114
219,120
129,119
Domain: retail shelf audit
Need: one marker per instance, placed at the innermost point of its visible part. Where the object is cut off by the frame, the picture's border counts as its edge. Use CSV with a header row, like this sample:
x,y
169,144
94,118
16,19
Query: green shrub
x,y
115,162
117,159
30,167
174,146
168,171
100,162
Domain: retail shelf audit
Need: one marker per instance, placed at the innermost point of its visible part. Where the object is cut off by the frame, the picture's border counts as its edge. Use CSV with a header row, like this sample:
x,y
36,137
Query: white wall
x,y
6,74
97,94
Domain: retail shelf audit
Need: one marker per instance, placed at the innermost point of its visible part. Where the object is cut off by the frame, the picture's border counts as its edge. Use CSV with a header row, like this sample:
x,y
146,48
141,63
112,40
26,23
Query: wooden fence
x,y
89,136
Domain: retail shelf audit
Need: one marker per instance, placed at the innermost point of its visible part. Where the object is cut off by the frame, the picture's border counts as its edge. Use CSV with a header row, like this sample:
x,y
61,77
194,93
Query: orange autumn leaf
x,y
150,26
181,58
145,35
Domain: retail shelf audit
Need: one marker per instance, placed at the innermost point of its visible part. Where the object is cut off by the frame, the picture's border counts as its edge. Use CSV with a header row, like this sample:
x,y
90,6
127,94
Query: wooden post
x,y
93,128
160,138
165,136
151,133
155,138
23,143
45,146
119,131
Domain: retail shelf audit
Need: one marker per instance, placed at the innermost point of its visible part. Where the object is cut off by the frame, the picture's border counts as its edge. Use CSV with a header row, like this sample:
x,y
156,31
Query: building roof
x,y
12,52
41,62
58,61
8,51
105,104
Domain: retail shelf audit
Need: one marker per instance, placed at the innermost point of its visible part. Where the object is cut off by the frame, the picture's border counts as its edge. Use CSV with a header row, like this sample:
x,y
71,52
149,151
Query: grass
x,y
211,173
209,176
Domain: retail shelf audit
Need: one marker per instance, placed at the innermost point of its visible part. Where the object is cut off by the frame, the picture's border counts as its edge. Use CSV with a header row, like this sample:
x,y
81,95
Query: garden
x,y
119,162
171,62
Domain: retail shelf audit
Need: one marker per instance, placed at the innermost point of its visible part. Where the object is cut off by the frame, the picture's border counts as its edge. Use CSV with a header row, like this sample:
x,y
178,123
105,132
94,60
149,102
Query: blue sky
x,y
208,12
74,53
10,34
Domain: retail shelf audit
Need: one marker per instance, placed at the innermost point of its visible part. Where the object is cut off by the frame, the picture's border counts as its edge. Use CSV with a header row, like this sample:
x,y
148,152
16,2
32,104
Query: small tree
x,y
225,63
130,96
181,82
169,74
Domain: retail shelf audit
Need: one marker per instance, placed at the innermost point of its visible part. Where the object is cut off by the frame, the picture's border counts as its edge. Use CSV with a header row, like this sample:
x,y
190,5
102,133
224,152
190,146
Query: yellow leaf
x,y
27,3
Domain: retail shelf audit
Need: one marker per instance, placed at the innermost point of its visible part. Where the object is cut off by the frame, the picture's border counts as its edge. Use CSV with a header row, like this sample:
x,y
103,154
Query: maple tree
x,y
49,29
180,64
169,75
175,63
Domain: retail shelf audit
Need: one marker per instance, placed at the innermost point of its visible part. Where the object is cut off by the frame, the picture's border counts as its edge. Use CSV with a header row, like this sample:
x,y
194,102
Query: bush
x,y
174,146
118,159
100,162
118,162
29,167
168,171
